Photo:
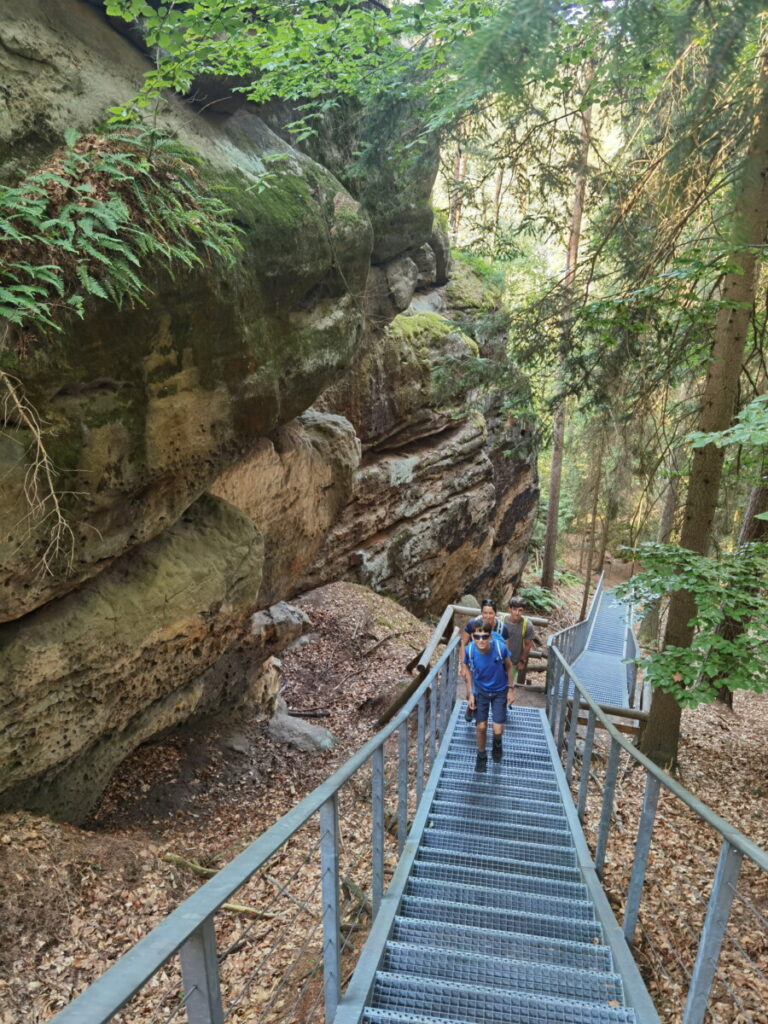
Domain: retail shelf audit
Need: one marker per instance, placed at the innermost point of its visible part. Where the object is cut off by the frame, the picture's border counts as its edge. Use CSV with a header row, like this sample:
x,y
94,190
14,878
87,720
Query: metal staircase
x,y
600,664
496,922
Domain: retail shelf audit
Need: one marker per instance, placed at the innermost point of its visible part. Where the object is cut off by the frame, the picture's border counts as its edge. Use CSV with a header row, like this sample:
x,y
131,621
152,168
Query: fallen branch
x,y
238,908
354,890
191,865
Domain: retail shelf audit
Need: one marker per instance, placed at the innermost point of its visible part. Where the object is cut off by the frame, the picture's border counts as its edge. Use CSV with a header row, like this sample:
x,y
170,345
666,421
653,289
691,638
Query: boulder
x,y
145,406
298,732
293,487
90,677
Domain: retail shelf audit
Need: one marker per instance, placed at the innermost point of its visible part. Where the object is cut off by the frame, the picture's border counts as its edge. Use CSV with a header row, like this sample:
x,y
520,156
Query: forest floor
x,y
72,900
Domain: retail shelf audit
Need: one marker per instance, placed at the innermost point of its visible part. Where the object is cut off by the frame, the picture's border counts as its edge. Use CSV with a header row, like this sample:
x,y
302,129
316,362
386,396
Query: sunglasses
x,y
481,636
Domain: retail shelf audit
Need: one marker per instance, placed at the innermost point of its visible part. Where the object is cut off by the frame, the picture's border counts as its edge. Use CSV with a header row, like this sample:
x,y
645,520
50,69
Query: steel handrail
x,y
735,838
105,996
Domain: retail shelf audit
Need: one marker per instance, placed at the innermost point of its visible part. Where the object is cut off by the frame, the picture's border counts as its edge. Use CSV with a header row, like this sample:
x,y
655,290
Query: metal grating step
x,y
501,896
472,969
585,956
516,758
548,802
449,856
458,874
532,814
484,1005
505,781
499,829
465,739
505,850
497,920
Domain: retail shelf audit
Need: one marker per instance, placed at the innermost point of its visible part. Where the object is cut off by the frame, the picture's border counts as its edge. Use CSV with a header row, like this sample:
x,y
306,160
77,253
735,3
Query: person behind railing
x,y
520,638
487,614
490,689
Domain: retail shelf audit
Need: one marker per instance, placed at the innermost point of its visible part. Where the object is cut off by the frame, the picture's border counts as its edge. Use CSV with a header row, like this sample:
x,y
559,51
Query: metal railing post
x,y
420,750
402,785
329,871
200,973
720,899
563,712
605,815
551,685
586,763
377,828
642,846
432,742
572,733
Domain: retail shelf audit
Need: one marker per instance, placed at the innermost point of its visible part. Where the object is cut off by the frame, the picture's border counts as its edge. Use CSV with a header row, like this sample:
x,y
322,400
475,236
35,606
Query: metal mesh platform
x,y
504,898
484,1005
498,919
510,945
495,924
456,873
471,969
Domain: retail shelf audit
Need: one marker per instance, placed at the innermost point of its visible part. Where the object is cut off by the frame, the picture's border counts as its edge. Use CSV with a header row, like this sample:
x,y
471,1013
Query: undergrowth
x,y
85,225
91,218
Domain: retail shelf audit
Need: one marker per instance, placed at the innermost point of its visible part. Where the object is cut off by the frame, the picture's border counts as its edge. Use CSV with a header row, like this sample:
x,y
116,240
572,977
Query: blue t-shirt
x,y
488,671
500,629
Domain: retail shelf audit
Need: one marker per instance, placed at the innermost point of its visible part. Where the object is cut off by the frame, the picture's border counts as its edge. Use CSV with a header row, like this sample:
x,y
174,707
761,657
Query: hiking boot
x,y
469,714
481,764
497,751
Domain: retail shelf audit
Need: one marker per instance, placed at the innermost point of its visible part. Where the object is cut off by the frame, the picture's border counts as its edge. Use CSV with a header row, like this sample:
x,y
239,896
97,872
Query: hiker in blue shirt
x,y
490,689
487,614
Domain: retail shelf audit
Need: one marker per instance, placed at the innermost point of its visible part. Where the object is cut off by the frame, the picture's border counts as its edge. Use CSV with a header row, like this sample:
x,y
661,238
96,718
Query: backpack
x,y
524,621
497,627
498,645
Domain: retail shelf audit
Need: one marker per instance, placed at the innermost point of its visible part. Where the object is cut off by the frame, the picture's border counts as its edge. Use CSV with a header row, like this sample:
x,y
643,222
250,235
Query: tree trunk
x,y
752,528
662,733
456,196
649,629
497,204
592,525
558,425
553,505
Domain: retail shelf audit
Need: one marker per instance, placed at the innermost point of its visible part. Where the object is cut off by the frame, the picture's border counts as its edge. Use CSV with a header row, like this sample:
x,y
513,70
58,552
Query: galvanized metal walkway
x,y
502,917
601,666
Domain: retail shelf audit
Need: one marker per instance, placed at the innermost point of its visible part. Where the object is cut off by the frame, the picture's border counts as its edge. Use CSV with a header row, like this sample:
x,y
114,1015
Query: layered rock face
x,y
445,497
200,485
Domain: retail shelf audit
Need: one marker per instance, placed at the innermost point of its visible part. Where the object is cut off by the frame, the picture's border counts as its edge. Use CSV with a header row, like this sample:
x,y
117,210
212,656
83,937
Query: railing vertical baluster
x,y
402,786
432,729
642,846
200,973
420,751
565,683
550,686
720,899
329,870
446,701
575,708
586,764
377,827
605,815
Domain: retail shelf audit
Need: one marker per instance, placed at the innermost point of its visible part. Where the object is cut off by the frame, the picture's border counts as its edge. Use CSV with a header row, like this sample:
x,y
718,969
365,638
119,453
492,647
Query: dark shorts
x,y
496,703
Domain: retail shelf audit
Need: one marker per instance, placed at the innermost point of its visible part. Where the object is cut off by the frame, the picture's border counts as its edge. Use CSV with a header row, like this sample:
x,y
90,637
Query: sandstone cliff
x,y
208,390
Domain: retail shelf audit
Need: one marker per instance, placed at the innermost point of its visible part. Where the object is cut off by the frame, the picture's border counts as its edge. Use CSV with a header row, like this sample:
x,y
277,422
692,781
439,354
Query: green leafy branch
x,y
96,214
724,589
85,226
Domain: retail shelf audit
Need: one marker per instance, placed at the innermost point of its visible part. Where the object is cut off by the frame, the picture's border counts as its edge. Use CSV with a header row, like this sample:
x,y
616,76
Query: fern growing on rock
x,y
87,222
